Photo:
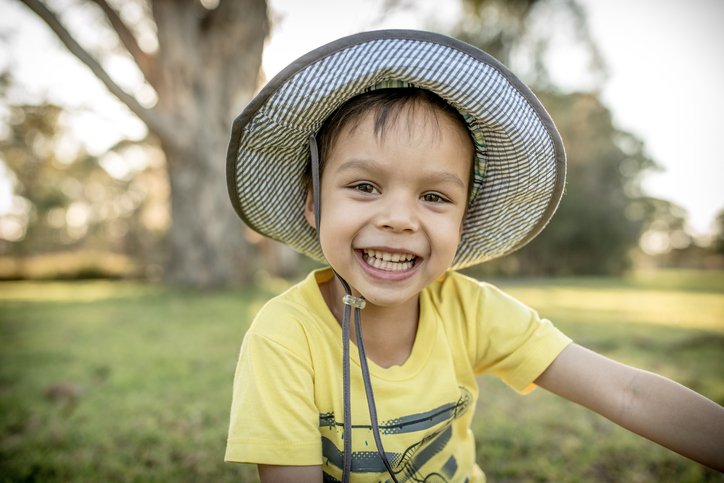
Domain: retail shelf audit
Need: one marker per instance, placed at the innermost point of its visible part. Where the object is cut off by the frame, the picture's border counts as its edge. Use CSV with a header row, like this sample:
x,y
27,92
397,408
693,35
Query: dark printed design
x,y
407,464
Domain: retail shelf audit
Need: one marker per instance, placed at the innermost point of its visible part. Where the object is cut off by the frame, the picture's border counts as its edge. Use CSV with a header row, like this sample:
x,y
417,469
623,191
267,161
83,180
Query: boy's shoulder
x,y
458,288
458,295
294,313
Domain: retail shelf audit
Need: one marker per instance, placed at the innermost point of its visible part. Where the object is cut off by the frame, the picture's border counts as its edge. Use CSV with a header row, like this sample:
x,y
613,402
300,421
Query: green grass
x,y
143,374
114,381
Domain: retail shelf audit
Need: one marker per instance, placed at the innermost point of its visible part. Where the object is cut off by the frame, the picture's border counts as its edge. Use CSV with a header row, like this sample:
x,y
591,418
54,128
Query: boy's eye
x,y
366,188
433,198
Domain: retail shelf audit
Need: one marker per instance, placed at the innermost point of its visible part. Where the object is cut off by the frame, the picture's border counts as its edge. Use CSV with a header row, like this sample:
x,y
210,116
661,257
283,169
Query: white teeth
x,y
389,261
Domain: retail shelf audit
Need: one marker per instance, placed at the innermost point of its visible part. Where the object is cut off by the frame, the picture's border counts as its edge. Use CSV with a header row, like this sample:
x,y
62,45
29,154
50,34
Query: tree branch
x,y
155,122
145,61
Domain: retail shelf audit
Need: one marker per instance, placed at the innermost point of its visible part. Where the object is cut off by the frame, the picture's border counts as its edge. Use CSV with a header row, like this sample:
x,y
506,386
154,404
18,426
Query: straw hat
x,y
520,172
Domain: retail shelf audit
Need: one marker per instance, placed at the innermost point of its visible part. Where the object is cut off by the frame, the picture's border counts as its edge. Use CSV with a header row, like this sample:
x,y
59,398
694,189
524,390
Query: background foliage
x,y
66,198
135,209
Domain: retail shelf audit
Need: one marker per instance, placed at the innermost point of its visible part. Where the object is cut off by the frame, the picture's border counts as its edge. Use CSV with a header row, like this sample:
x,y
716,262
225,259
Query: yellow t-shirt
x,y
288,409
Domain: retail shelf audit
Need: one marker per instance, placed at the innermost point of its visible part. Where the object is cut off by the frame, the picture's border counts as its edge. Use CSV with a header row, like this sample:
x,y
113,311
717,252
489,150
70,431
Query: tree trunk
x,y
205,243
208,71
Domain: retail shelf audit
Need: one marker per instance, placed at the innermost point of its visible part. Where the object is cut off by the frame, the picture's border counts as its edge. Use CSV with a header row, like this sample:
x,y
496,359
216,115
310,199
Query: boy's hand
x,y
647,404
290,474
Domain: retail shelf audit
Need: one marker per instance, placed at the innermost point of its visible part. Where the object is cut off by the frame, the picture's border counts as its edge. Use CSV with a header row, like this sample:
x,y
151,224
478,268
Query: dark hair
x,y
385,105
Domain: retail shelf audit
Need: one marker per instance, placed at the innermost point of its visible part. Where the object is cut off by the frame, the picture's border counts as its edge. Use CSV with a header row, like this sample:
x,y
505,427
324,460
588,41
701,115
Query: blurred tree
x,y
519,34
603,211
667,243
203,65
65,199
664,225
719,233
495,24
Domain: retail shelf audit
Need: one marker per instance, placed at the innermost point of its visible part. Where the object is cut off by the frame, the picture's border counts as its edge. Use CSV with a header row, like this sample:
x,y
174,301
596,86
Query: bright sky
x,y
663,59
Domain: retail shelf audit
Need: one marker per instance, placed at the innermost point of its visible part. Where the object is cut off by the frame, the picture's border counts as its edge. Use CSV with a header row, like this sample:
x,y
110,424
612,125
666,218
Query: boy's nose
x,y
399,215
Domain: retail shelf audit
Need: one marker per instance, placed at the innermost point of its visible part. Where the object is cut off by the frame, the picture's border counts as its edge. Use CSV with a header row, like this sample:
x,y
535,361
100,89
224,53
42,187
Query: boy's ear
x,y
309,209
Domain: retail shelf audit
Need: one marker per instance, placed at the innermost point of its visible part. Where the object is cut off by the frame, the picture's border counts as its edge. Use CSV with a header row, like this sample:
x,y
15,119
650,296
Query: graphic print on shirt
x,y
437,423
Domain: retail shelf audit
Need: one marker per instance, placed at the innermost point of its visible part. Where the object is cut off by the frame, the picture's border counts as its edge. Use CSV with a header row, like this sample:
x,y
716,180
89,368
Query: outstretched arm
x,y
647,404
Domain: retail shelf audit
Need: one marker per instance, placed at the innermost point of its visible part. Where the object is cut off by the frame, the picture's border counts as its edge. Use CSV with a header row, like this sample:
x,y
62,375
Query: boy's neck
x,y
389,332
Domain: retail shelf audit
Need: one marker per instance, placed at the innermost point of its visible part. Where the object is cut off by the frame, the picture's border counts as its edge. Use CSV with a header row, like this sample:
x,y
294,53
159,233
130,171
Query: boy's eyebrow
x,y
446,178
371,165
361,165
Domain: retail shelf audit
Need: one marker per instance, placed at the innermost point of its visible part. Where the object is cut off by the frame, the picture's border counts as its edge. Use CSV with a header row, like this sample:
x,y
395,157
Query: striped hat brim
x,y
521,161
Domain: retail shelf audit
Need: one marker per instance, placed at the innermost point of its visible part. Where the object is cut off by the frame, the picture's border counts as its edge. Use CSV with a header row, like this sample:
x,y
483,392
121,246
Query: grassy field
x,y
113,381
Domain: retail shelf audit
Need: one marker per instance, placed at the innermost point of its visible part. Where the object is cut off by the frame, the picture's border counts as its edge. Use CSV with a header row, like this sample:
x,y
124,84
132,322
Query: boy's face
x,y
392,207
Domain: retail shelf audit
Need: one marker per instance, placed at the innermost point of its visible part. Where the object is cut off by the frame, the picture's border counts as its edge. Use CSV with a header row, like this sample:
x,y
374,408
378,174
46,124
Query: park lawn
x,y
117,381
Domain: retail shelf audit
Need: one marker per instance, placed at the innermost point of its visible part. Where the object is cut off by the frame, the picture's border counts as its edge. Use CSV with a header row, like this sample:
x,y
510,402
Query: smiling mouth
x,y
387,260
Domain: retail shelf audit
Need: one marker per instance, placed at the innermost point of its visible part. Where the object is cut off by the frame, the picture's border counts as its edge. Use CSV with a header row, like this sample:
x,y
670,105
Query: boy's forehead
x,y
422,123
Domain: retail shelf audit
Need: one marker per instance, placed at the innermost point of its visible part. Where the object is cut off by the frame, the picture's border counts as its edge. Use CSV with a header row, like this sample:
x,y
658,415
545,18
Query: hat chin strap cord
x,y
358,303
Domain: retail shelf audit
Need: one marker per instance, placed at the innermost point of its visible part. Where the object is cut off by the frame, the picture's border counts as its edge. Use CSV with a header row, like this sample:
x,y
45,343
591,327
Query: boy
x,y
431,156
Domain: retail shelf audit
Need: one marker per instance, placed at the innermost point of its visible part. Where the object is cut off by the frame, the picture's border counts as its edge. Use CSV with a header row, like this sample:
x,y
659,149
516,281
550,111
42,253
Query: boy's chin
x,y
385,297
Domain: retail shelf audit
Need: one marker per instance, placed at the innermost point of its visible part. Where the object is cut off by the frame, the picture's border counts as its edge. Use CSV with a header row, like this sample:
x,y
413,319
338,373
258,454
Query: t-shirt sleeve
x,y
272,420
513,342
